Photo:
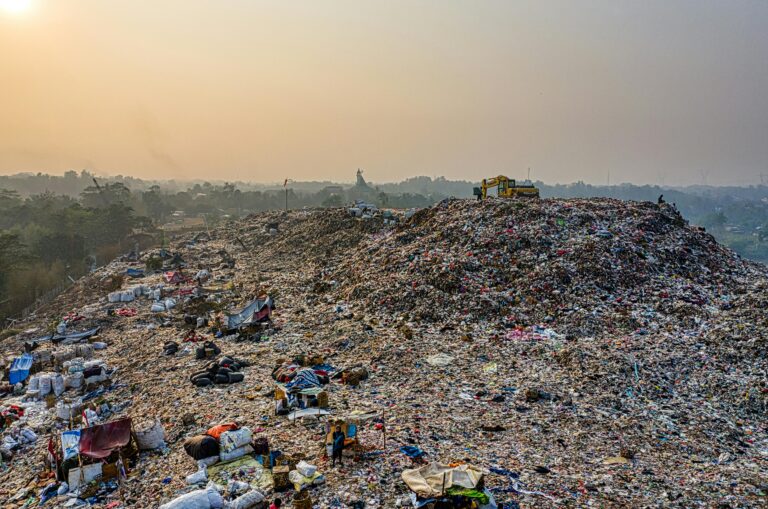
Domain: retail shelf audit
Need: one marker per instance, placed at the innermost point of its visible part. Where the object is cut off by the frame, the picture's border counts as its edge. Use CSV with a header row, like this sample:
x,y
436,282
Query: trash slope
x,y
592,352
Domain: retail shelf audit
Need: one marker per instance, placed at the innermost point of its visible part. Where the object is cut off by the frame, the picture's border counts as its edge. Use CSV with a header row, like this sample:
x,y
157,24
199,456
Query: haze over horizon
x,y
653,92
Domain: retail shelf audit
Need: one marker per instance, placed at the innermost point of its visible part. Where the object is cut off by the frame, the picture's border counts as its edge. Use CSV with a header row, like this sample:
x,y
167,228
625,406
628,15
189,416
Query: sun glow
x,y
15,6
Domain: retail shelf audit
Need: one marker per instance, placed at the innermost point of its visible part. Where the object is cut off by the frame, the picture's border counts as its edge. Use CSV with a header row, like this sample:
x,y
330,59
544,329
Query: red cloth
x,y
99,441
216,431
174,277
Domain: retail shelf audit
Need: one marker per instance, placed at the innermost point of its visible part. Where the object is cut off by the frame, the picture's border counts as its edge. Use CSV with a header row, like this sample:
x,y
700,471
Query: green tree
x,y
13,255
333,200
714,220
105,195
9,198
156,207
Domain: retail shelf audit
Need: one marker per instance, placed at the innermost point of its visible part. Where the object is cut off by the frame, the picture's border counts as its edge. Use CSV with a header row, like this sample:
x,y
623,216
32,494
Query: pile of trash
x,y
585,265
499,353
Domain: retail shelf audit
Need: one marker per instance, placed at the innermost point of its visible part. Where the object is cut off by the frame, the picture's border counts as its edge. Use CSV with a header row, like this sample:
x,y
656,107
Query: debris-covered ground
x,y
583,352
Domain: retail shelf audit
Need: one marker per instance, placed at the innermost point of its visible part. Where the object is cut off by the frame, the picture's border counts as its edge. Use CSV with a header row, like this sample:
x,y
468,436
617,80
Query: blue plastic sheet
x,y
20,369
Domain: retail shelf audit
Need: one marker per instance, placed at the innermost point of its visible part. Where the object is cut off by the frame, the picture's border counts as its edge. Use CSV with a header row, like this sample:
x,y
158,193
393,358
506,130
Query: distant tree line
x,y
47,238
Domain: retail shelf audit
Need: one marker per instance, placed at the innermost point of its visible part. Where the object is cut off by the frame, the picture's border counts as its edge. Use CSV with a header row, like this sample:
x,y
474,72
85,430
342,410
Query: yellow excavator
x,y
506,188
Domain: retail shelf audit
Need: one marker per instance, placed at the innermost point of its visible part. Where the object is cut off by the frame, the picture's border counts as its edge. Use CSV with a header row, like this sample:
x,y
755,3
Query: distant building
x,y
360,180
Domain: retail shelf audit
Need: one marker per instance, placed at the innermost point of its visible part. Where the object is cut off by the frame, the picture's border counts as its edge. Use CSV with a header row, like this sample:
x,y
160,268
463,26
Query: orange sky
x,y
651,91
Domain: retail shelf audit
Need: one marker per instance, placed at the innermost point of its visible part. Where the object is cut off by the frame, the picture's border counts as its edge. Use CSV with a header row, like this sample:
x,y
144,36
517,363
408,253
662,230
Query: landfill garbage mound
x,y
587,265
542,353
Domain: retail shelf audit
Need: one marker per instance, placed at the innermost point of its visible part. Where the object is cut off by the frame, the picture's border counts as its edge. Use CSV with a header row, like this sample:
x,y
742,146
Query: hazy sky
x,y
668,91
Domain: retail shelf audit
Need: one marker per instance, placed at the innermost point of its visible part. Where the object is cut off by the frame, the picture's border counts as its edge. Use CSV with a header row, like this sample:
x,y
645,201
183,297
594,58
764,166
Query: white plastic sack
x,y
114,297
74,366
298,480
34,384
306,469
157,307
198,477
235,488
170,303
45,385
199,499
74,381
29,435
98,345
153,437
127,296
57,383
237,453
231,440
207,462
63,411
247,501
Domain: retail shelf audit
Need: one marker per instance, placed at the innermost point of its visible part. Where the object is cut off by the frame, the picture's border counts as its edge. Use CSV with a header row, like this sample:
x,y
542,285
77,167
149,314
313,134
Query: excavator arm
x,y
500,182
482,191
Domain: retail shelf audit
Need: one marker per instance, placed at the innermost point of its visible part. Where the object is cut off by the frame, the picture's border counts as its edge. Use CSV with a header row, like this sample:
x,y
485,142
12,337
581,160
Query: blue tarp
x,y
20,369
135,272
305,379
412,451
75,336
255,312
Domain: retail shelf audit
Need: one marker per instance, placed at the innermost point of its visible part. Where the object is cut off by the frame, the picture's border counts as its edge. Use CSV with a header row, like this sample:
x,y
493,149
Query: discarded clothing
x,y
201,446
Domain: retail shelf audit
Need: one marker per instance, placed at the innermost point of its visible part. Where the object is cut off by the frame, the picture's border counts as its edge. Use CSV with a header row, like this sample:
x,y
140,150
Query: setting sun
x,y
15,6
